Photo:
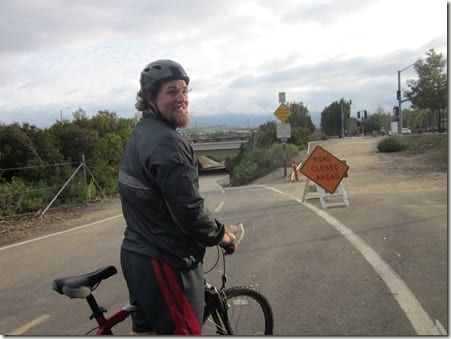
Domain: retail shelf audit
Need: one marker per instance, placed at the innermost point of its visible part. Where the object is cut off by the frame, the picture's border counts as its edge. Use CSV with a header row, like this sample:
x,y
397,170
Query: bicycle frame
x,y
106,324
215,304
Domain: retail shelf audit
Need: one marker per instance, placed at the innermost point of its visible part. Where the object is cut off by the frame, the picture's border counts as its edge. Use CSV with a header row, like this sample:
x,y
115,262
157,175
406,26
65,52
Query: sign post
x,y
284,129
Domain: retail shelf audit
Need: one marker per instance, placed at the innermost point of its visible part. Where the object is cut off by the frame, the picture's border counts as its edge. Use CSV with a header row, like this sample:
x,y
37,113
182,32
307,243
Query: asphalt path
x,y
341,271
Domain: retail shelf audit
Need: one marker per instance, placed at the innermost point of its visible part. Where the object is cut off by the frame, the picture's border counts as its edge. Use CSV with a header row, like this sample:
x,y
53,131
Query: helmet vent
x,y
157,67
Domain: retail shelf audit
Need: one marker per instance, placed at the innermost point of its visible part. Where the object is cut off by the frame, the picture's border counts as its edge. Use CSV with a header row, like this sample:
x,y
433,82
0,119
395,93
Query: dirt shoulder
x,y
372,171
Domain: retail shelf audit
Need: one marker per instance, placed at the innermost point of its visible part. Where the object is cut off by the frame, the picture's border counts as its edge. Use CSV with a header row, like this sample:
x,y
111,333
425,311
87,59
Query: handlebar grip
x,y
229,249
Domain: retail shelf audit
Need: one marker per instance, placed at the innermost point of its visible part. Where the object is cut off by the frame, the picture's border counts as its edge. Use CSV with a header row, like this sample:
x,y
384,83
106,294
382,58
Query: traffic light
x,y
358,115
396,110
398,94
365,114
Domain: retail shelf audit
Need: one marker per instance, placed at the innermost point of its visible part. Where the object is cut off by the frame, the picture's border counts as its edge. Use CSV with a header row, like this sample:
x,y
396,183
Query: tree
x,y
376,121
430,91
300,137
300,116
73,141
14,149
80,114
266,134
331,122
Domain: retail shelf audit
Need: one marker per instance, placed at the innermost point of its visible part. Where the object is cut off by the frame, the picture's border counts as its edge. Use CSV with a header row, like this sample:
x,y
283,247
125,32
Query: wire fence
x,y
19,194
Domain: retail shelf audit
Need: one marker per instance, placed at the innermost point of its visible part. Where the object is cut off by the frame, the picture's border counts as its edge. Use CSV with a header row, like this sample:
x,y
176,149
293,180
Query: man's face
x,y
172,101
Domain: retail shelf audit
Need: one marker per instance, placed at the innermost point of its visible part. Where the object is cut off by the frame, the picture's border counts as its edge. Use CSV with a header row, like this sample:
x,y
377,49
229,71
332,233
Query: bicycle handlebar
x,y
238,232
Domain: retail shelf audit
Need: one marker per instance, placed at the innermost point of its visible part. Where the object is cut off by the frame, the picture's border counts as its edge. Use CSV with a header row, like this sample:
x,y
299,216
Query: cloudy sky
x,y
57,56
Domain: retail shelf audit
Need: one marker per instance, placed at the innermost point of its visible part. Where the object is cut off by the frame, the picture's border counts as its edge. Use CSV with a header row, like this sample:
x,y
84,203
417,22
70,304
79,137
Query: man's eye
x,y
175,92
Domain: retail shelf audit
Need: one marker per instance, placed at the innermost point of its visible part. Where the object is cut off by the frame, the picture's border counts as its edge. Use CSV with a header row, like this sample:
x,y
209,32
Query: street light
x,y
61,112
342,117
399,97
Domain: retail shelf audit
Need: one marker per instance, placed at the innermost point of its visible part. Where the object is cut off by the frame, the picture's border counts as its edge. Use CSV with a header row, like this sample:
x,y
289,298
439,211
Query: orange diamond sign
x,y
324,169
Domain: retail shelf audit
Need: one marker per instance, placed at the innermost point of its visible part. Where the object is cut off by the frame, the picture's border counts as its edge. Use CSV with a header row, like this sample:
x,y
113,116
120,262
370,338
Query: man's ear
x,y
151,102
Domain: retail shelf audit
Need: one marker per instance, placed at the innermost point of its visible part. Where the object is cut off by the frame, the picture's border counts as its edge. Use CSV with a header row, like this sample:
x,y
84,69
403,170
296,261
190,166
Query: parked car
x,y
406,130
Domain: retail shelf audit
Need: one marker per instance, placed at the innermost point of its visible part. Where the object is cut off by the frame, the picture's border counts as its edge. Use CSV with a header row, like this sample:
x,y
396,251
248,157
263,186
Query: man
x,y
168,224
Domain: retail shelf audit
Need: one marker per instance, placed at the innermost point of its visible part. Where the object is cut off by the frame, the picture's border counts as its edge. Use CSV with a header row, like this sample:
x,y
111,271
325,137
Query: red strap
x,y
191,325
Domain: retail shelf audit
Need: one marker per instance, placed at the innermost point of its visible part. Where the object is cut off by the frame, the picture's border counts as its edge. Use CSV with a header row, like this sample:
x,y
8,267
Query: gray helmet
x,y
160,70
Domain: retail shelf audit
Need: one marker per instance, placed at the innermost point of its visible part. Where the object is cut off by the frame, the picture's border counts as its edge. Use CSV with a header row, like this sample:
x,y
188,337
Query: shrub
x,y
276,154
392,144
250,164
253,164
17,196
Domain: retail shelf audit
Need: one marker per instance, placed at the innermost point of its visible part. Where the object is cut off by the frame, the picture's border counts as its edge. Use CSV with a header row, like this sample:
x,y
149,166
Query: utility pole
x,y
343,118
61,113
399,97
342,122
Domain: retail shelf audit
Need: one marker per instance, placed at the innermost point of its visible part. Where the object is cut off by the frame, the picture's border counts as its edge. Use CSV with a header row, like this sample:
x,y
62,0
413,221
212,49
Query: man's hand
x,y
228,239
232,238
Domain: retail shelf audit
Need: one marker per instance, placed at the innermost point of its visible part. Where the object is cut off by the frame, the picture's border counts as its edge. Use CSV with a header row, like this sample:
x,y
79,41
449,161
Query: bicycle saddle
x,y
80,286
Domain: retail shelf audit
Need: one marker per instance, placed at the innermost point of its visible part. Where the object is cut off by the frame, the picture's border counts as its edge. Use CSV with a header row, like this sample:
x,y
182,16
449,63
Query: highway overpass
x,y
211,154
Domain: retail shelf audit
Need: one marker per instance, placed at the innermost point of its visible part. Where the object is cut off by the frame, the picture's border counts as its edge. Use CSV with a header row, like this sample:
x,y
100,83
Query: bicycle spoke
x,y
245,316
213,325
248,313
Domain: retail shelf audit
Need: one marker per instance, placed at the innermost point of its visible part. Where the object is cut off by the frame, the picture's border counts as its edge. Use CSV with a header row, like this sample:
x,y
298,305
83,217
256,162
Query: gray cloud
x,y
239,54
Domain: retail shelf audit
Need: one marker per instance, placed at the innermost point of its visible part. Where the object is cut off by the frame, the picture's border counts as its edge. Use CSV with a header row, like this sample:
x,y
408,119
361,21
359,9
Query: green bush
x,y
392,144
17,196
276,154
252,164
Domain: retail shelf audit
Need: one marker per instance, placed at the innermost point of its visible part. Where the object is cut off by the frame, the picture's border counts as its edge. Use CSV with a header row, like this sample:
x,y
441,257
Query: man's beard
x,y
180,120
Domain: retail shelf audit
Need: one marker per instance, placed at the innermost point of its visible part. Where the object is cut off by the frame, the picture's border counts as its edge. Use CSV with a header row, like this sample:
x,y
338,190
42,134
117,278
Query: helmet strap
x,y
154,109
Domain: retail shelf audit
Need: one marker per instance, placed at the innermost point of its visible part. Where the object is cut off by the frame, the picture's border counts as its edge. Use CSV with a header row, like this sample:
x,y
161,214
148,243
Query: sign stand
x,y
338,199
320,166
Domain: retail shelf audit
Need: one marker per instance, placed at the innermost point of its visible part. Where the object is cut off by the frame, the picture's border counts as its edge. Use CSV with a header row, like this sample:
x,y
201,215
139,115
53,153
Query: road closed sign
x,y
324,169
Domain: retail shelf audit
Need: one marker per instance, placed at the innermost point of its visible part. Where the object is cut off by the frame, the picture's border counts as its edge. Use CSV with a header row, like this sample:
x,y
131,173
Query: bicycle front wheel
x,y
248,313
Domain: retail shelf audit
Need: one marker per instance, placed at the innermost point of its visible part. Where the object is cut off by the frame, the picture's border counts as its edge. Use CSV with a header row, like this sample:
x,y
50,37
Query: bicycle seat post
x,y
97,311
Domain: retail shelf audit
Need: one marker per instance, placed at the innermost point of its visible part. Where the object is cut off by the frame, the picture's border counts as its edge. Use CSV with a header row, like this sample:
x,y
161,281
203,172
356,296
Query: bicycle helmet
x,y
160,70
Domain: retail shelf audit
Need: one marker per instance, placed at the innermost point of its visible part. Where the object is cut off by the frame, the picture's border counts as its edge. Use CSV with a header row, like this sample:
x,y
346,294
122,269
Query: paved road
x,y
343,271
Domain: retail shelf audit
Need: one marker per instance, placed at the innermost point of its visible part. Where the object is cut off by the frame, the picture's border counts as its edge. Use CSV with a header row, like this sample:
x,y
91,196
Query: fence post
x,y
62,188
85,183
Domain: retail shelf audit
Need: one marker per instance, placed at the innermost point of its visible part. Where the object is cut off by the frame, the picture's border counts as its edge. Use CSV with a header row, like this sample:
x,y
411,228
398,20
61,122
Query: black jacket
x,y
159,186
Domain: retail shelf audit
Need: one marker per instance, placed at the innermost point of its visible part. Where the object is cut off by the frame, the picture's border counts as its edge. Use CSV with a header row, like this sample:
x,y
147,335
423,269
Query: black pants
x,y
170,300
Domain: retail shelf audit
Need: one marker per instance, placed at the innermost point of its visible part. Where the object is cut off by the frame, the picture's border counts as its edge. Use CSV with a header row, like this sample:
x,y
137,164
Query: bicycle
x,y
239,310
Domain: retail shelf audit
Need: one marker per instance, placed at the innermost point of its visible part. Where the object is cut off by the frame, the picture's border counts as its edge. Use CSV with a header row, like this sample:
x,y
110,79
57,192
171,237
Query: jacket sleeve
x,y
177,176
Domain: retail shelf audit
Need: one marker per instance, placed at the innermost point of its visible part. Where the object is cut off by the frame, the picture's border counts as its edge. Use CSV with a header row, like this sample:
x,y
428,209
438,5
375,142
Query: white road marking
x,y
420,320
58,233
21,330
217,209
440,327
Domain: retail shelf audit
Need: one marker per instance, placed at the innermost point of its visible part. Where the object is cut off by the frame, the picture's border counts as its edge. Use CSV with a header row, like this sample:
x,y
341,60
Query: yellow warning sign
x,y
282,112
324,169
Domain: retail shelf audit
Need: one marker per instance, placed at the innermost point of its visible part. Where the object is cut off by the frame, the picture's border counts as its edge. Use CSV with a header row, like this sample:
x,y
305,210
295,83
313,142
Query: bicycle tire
x,y
248,313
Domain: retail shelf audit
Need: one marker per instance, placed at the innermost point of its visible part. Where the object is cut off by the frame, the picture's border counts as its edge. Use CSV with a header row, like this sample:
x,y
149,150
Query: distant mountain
x,y
237,120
